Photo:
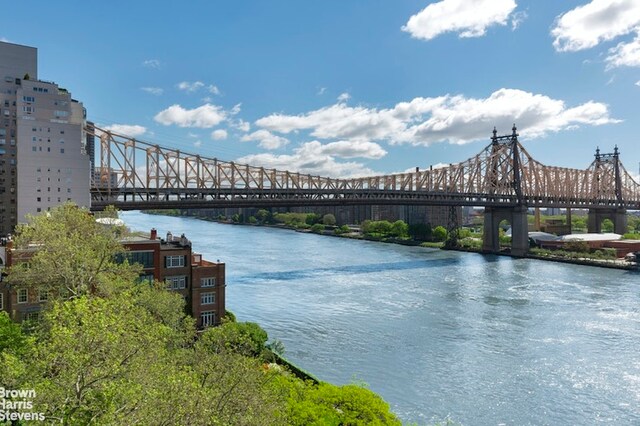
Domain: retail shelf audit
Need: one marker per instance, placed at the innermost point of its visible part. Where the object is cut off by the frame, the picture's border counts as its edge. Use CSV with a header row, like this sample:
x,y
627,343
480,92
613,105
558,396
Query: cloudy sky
x,y
350,87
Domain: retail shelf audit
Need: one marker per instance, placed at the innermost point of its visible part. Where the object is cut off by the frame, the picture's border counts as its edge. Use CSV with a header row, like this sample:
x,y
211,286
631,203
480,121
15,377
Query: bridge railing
x,y
144,170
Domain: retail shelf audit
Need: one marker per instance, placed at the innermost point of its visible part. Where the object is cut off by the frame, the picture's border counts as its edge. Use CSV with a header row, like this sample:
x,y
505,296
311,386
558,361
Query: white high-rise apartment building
x,y
43,157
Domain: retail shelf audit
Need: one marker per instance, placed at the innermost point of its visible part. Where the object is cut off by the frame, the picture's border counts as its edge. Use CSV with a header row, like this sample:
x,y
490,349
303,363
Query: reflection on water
x,y
482,339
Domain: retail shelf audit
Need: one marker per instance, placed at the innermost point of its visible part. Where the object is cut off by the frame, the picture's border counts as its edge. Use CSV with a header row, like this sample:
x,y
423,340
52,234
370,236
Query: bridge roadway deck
x,y
171,198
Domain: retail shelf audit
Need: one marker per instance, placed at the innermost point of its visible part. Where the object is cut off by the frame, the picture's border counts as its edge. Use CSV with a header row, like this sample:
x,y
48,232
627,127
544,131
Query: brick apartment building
x,y
201,283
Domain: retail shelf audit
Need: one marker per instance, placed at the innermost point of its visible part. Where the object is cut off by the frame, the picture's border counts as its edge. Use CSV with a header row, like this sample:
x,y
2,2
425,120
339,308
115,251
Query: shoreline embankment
x,y
600,263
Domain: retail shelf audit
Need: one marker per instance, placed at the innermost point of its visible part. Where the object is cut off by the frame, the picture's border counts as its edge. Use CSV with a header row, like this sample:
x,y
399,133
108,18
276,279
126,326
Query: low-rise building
x,y
201,283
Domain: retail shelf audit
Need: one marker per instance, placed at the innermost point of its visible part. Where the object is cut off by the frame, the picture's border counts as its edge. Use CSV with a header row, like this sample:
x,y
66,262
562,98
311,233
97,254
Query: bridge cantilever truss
x,y
133,174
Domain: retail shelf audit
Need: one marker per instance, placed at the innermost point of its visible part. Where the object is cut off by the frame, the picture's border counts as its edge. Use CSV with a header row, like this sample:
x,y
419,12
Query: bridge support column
x,y
616,215
517,217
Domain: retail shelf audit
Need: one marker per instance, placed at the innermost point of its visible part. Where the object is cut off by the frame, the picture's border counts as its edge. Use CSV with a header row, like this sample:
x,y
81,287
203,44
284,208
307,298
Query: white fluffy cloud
x,y
131,130
625,54
151,63
309,158
190,87
194,86
469,18
588,25
266,139
344,97
219,134
638,83
456,119
205,116
153,90
351,149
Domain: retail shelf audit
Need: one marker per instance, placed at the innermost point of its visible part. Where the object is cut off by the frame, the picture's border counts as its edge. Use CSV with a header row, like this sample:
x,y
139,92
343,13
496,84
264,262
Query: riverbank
x,y
356,235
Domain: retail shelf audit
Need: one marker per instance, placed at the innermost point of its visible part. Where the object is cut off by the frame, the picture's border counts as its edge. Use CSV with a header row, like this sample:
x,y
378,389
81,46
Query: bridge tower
x,y
515,215
607,166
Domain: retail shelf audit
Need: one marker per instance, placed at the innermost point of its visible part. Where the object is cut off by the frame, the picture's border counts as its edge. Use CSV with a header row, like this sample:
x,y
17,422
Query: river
x,y
483,340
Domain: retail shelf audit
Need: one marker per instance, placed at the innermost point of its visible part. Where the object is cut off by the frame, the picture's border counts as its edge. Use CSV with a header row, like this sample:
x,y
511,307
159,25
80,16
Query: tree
x,y
439,233
97,359
312,218
253,220
263,216
337,405
244,338
12,339
607,225
318,228
329,219
399,229
66,252
382,227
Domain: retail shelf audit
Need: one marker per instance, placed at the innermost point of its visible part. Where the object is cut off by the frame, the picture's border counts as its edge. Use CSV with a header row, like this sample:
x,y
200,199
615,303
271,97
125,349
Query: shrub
x,y
342,230
399,229
329,219
312,218
577,246
318,228
439,233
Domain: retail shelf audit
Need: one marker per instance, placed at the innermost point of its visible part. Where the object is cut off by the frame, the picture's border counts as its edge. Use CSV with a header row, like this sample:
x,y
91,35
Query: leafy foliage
x,y
65,252
317,228
121,352
439,233
329,219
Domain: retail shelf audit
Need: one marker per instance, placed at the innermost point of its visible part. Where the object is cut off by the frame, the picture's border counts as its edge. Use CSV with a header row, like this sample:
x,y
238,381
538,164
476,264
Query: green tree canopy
x,y
399,229
329,219
65,252
439,233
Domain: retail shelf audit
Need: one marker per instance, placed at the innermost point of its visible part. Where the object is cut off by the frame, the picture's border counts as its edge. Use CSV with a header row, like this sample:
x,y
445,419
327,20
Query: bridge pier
x,y
617,215
517,217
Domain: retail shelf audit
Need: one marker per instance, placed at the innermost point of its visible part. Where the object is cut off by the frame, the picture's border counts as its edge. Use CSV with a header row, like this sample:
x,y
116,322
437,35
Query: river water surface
x,y
484,340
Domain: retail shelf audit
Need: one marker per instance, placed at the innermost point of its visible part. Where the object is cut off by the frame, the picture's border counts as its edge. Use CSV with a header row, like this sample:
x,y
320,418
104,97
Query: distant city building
x,y
201,283
43,154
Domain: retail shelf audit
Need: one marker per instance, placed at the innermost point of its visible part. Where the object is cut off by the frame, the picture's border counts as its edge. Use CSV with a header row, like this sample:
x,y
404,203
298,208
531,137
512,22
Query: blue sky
x,y
349,87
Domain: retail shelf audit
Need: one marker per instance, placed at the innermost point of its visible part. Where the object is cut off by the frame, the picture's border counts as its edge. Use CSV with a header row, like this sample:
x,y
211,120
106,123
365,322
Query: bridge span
x,y
503,178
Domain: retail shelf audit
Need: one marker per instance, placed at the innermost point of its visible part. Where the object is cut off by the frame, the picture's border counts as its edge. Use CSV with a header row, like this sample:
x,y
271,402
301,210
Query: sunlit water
x,y
485,340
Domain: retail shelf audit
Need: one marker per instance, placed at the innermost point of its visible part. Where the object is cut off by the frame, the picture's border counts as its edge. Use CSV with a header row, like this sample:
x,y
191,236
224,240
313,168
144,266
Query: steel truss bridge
x,y
136,175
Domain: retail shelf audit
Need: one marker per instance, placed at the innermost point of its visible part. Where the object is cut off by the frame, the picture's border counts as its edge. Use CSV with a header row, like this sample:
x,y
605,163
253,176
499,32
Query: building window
x,y
208,282
32,316
23,295
207,318
146,278
174,261
43,295
176,283
145,258
207,298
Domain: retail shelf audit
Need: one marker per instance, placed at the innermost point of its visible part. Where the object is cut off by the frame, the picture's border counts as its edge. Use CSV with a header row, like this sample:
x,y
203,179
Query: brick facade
x,y
200,283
